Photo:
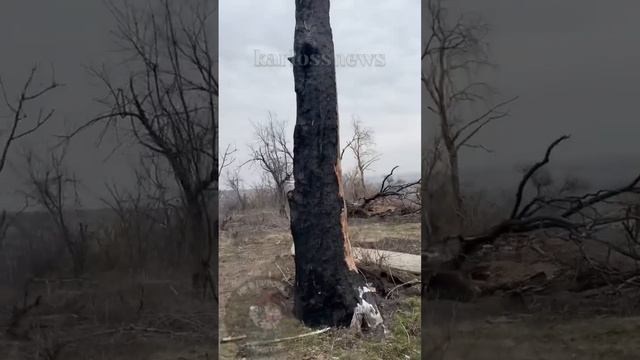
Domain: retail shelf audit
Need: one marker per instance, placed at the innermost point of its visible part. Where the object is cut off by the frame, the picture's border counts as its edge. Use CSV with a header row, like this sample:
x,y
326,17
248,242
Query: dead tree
x,y
452,53
362,148
53,188
431,166
388,188
7,221
135,224
4,227
432,157
168,103
328,288
577,214
20,124
271,152
235,184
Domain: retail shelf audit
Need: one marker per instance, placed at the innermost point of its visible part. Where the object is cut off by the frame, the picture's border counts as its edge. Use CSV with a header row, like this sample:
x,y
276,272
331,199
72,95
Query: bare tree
x,y
4,227
149,221
234,182
134,226
389,188
544,182
362,147
578,214
53,188
271,152
168,104
432,158
21,124
351,185
8,220
454,52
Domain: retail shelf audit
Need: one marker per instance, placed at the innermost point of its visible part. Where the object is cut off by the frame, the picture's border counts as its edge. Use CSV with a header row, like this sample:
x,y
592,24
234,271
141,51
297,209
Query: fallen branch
x,y
403,285
233,338
525,218
129,328
274,341
284,276
387,189
527,176
20,313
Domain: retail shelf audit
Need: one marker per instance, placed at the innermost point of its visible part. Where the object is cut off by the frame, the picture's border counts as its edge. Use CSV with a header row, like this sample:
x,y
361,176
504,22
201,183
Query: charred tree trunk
x,y
328,288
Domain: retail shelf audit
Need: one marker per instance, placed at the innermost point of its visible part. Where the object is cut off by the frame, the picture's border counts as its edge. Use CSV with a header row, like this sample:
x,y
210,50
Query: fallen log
x,y
391,259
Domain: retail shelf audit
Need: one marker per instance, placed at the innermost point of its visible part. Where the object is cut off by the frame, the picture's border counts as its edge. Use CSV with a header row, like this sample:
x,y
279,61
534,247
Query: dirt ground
x,y
560,309
257,245
109,318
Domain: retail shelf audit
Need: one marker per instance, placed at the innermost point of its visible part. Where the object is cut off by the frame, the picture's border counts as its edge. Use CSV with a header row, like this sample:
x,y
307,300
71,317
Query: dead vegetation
x,y
132,280
132,299
505,275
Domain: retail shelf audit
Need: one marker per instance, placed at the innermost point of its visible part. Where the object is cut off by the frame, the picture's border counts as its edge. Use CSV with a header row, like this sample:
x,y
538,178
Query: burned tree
x,y
328,288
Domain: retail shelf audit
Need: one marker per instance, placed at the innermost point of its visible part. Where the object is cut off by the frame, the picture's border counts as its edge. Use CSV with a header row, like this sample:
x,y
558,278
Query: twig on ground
x,y
406,284
634,280
268,342
129,328
233,338
284,276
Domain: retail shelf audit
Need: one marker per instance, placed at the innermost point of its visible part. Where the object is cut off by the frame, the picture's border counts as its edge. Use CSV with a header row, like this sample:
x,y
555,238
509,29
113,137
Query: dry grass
x,y
123,307
257,243
540,298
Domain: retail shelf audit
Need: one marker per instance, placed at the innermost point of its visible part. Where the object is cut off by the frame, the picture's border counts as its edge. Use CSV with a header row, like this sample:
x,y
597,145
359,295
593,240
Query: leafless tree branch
x,y
18,108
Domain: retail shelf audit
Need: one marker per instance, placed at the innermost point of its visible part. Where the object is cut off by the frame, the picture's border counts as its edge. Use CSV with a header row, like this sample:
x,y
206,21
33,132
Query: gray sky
x,y
385,98
575,67
66,35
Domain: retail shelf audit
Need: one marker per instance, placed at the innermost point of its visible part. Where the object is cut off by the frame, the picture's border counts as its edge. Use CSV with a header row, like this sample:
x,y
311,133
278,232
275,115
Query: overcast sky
x,y
386,98
67,36
575,66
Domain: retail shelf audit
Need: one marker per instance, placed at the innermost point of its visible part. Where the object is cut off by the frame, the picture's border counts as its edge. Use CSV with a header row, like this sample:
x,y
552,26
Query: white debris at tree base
x,y
366,313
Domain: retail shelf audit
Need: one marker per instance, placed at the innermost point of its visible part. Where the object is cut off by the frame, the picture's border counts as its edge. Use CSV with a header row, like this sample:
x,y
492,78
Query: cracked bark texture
x,y
327,281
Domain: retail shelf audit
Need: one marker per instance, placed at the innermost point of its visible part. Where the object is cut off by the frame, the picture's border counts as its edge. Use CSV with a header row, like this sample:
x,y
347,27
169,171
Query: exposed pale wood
x,y
394,260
